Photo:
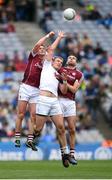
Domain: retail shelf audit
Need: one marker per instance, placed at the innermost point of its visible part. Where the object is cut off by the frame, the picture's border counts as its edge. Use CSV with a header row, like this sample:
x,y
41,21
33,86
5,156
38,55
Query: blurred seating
x,y
103,6
89,136
96,32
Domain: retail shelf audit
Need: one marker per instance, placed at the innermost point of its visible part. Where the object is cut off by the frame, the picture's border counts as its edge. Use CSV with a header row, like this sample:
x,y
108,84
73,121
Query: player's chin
x,y
57,68
71,64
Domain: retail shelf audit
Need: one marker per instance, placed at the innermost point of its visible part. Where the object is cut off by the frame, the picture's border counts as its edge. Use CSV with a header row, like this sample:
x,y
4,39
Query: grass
x,y
55,170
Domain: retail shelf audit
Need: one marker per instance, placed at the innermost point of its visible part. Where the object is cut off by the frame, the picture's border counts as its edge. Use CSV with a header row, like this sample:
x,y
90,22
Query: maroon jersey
x,y
72,76
33,71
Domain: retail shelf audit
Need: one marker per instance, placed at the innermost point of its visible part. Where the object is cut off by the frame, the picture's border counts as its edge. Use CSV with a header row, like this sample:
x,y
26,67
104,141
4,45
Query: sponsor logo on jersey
x,y
73,73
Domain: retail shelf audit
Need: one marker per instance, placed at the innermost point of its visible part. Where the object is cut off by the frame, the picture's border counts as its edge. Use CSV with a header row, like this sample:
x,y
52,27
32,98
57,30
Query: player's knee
x,y
72,131
61,129
21,116
37,129
33,118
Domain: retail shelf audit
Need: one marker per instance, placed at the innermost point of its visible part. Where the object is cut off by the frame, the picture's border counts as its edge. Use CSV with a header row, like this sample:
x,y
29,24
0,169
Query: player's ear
x,y
53,58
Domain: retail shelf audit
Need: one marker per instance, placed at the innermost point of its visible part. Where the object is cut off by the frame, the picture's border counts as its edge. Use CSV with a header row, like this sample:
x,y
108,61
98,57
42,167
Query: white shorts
x,y
48,106
28,93
68,107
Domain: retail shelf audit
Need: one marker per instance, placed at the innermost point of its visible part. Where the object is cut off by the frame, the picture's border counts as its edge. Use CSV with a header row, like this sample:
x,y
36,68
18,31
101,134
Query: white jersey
x,y
48,79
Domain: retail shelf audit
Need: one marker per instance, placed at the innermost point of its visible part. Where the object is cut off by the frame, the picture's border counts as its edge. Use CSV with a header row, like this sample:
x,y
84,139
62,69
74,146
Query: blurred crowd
x,y
91,12
11,10
95,93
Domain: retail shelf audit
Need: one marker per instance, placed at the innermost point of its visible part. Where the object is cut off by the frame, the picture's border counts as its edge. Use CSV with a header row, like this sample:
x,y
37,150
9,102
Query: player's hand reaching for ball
x,y
52,33
61,34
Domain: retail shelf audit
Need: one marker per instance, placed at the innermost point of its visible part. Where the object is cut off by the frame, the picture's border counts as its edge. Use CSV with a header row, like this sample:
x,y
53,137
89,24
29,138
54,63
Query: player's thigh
x,y
32,108
71,121
58,120
40,121
32,104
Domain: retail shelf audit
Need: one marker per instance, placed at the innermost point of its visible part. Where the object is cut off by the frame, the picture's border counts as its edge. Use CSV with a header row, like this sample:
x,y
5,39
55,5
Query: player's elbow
x,y
50,49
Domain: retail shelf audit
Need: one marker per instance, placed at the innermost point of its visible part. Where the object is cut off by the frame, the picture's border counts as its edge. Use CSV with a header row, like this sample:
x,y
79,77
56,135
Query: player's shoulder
x,y
62,69
66,69
79,74
33,55
78,71
30,55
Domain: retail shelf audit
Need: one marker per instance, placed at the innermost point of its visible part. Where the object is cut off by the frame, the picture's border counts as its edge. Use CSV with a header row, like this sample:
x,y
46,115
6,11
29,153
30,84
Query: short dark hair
x,y
55,57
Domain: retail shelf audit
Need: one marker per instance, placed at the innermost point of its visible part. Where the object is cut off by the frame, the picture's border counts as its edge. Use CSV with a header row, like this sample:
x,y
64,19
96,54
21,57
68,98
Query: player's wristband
x,y
64,82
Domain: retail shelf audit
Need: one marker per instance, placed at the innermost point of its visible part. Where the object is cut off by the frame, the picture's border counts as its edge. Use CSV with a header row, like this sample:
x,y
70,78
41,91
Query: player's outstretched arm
x,y
42,41
54,45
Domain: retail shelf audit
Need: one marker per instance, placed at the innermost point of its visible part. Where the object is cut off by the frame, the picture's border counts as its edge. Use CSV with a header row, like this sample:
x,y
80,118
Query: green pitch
x,y
55,170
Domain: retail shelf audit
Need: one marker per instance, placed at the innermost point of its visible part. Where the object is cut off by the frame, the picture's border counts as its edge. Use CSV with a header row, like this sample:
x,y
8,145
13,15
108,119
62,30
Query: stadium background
x,y
89,38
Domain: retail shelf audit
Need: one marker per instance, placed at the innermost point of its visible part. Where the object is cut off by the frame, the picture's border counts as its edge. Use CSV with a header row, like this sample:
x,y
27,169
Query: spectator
x,y
3,18
86,41
3,132
8,74
106,21
104,58
91,95
19,65
47,15
90,55
10,27
10,8
94,14
91,13
98,50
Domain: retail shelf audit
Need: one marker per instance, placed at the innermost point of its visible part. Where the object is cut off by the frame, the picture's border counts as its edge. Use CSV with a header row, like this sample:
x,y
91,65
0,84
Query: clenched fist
x,y
52,33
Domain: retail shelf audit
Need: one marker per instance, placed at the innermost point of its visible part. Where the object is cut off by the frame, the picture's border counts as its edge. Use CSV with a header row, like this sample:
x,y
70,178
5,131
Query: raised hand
x,y
61,34
52,33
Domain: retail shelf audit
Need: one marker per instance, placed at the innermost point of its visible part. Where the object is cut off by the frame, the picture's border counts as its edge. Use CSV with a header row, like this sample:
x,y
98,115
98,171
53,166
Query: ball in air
x,y
69,14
